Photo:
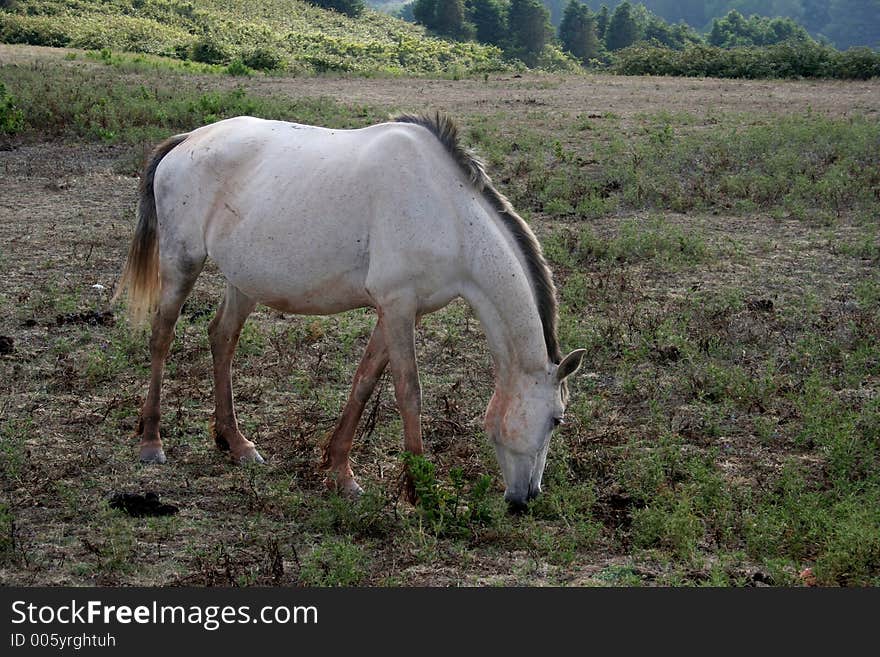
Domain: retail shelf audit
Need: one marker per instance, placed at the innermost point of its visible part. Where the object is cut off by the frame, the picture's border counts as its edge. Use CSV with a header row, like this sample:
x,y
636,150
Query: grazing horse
x,y
398,216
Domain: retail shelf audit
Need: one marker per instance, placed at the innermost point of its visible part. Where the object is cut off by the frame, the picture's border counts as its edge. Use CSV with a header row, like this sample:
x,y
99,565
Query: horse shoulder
x,y
421,205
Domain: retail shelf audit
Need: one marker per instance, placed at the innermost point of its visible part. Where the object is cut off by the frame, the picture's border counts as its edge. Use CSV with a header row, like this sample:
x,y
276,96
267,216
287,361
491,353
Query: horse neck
x,y
501,294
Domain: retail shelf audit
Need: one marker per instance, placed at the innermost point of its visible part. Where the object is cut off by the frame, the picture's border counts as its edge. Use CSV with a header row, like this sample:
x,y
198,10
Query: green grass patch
x,y
94,105
799,520
7,532
639,240
810,165
334,562
804,166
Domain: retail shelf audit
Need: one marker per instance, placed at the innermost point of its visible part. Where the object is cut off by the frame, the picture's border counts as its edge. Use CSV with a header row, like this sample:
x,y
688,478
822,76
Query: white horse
x,y
397,216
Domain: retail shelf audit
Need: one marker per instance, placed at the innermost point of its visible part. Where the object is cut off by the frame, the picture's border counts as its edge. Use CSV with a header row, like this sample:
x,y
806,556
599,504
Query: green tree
x,y
530,29
736,30
489,18
622,29
451,21
577,31
672,36
730,31
603,17
424,11
446,17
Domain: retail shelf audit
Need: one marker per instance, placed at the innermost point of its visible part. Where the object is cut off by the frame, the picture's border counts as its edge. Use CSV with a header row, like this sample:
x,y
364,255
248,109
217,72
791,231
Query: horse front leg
x,y
338,448
399,322
224,332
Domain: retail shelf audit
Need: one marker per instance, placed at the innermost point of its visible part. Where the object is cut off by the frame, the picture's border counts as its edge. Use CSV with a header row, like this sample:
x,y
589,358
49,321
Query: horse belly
x,y
297,270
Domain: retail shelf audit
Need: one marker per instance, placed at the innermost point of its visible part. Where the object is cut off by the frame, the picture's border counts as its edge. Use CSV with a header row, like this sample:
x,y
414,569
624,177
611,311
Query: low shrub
x,y
791,59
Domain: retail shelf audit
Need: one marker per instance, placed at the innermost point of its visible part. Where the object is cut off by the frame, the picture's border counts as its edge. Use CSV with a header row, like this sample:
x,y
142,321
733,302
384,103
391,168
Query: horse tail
x,y
141,273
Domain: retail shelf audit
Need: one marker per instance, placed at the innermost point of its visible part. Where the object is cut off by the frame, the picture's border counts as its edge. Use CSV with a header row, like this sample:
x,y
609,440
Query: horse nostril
x,y
533,493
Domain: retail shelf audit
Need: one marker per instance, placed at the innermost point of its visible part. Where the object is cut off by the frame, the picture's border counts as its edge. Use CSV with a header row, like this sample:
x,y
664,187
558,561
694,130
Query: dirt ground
x,y
66,216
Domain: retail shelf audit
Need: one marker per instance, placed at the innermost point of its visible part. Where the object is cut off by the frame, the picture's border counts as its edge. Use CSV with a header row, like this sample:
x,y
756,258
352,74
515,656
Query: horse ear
x,y
570,364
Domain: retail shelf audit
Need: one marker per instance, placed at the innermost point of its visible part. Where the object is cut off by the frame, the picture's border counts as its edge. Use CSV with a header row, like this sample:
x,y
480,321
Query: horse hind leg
x,y
177,283
224,332
338,448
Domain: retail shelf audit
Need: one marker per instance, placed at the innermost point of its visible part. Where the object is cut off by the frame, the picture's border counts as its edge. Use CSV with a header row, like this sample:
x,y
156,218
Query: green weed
x,y
7,532
14,433
11,117
636,241
334,562
453,509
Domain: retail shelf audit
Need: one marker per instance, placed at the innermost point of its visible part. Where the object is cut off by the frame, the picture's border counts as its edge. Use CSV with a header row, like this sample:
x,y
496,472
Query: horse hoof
x,y
409,491
347,487
152,455
252,456
351,489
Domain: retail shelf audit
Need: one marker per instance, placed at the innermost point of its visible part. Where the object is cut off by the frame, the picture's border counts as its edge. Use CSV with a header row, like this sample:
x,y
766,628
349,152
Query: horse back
x,y
311,219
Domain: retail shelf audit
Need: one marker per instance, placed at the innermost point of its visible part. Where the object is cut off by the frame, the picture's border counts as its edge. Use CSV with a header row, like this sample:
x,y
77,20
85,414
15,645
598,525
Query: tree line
x,y
844,23
524,28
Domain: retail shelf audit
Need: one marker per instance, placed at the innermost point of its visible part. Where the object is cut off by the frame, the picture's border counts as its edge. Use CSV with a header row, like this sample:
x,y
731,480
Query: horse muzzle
x,y
518,503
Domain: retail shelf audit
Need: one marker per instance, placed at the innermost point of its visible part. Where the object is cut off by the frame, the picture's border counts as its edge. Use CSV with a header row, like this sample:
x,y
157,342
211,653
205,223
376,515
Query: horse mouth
x,y
517,505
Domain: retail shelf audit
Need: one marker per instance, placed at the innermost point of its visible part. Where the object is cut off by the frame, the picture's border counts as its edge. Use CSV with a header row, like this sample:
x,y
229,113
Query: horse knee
x,y
364,389
161,339
214,335
220,336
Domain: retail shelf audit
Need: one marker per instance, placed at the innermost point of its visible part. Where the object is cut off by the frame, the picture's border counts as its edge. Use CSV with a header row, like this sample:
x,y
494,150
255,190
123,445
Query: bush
x,y
263,59
32,30
211,50
11,118
238,68
353,8
857,64
792,59
553,59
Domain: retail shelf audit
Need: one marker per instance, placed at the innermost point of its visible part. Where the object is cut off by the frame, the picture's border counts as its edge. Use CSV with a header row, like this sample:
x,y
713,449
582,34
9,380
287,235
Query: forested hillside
x,y
261,34
845,23
633,40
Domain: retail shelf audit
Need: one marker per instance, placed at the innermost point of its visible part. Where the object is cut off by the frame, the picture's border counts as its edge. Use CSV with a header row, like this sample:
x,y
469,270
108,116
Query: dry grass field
x,y
715,244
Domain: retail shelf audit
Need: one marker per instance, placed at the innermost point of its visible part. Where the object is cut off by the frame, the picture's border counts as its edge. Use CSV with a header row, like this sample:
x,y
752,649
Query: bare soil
x,y
66,216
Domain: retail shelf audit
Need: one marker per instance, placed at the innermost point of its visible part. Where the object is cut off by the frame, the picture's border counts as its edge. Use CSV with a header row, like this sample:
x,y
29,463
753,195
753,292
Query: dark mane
x,y
446,132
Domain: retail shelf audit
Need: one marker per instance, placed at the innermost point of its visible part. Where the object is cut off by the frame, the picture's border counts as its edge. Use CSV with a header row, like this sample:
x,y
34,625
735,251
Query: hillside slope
x,y
264,33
